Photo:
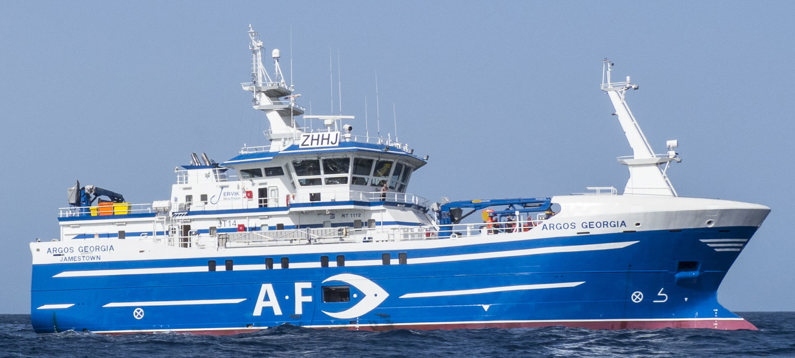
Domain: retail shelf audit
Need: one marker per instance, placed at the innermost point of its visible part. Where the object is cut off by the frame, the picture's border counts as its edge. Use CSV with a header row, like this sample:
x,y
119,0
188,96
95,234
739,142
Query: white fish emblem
x,y
373,295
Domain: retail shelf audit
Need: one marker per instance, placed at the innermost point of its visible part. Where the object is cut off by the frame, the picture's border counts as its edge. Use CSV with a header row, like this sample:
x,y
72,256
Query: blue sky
x,y
504,97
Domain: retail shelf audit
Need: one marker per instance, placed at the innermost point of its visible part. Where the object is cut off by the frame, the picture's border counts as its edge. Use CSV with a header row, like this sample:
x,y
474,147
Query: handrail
x,y
335,235
219,175
353,138
114,209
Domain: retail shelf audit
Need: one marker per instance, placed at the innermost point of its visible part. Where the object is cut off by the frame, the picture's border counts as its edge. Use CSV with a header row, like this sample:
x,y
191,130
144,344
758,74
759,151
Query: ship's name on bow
x,y
594,224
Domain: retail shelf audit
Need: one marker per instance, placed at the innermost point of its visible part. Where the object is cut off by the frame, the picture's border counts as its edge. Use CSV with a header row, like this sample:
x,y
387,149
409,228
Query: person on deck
x,y
384,189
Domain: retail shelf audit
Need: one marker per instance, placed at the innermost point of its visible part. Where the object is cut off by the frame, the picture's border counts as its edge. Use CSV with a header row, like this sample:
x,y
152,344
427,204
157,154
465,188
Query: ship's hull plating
x,y
644,279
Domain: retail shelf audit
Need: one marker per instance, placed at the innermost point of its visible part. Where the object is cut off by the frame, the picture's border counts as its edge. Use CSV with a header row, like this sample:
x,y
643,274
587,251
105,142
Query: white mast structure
x,y
646,175
273,96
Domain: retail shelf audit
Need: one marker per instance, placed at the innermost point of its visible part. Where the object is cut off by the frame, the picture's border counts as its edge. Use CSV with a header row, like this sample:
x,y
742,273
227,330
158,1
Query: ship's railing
x,y
105,210
601,190
127,208
325,235
353,138
389,196
255,149
659,157
219,175
355,195
494,228
336,235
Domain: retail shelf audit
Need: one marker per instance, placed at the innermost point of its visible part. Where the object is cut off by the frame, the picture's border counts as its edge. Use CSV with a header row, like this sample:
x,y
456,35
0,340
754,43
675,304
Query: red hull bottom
x,y
719,324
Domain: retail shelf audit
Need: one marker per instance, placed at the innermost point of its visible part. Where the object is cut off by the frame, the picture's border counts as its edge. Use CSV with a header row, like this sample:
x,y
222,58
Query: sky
x,y
502,95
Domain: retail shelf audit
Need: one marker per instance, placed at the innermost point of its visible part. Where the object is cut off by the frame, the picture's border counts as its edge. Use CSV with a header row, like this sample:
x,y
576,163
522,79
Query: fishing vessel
x,y
319,229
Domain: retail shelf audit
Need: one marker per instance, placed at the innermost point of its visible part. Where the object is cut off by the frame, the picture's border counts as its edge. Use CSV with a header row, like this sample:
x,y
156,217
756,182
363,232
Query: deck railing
x,y
219,175
105,210
127,208
353,138
336,235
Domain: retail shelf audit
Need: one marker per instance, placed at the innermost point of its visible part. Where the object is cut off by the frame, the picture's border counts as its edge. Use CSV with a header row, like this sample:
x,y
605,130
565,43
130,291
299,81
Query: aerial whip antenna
x,y
292,99
339,81
377,109
331,79
394,118
366,127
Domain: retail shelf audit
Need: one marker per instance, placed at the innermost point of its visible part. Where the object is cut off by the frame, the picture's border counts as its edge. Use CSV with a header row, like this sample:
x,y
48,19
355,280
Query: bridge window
x,y
336,165
309,181
336,293
362,166
406,173
336,180
381,172
306,167
274,171
251,173
403,178
382,168
395,175
359,180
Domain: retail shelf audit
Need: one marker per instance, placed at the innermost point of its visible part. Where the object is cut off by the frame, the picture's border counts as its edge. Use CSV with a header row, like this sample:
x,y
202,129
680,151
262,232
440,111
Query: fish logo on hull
x,y
374,295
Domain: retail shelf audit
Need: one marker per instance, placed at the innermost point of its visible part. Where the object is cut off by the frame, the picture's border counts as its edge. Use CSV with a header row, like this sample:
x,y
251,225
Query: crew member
x,y
384,189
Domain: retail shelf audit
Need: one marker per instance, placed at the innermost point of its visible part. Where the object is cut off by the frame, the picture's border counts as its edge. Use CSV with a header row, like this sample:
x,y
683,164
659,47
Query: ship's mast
x,y
646,177
272,95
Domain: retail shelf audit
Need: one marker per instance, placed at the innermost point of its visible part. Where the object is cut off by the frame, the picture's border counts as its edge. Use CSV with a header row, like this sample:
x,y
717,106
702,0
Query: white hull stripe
x,y
477,291
55,306
175,303
138,271
359,263
525,252
725,245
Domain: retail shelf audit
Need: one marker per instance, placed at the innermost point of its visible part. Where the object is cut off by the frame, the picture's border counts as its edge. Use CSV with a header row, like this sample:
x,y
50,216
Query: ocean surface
x,y
776,337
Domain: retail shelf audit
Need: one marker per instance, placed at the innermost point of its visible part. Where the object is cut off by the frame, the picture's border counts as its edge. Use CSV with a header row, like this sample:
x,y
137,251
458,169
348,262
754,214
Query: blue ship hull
x,y
648,279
